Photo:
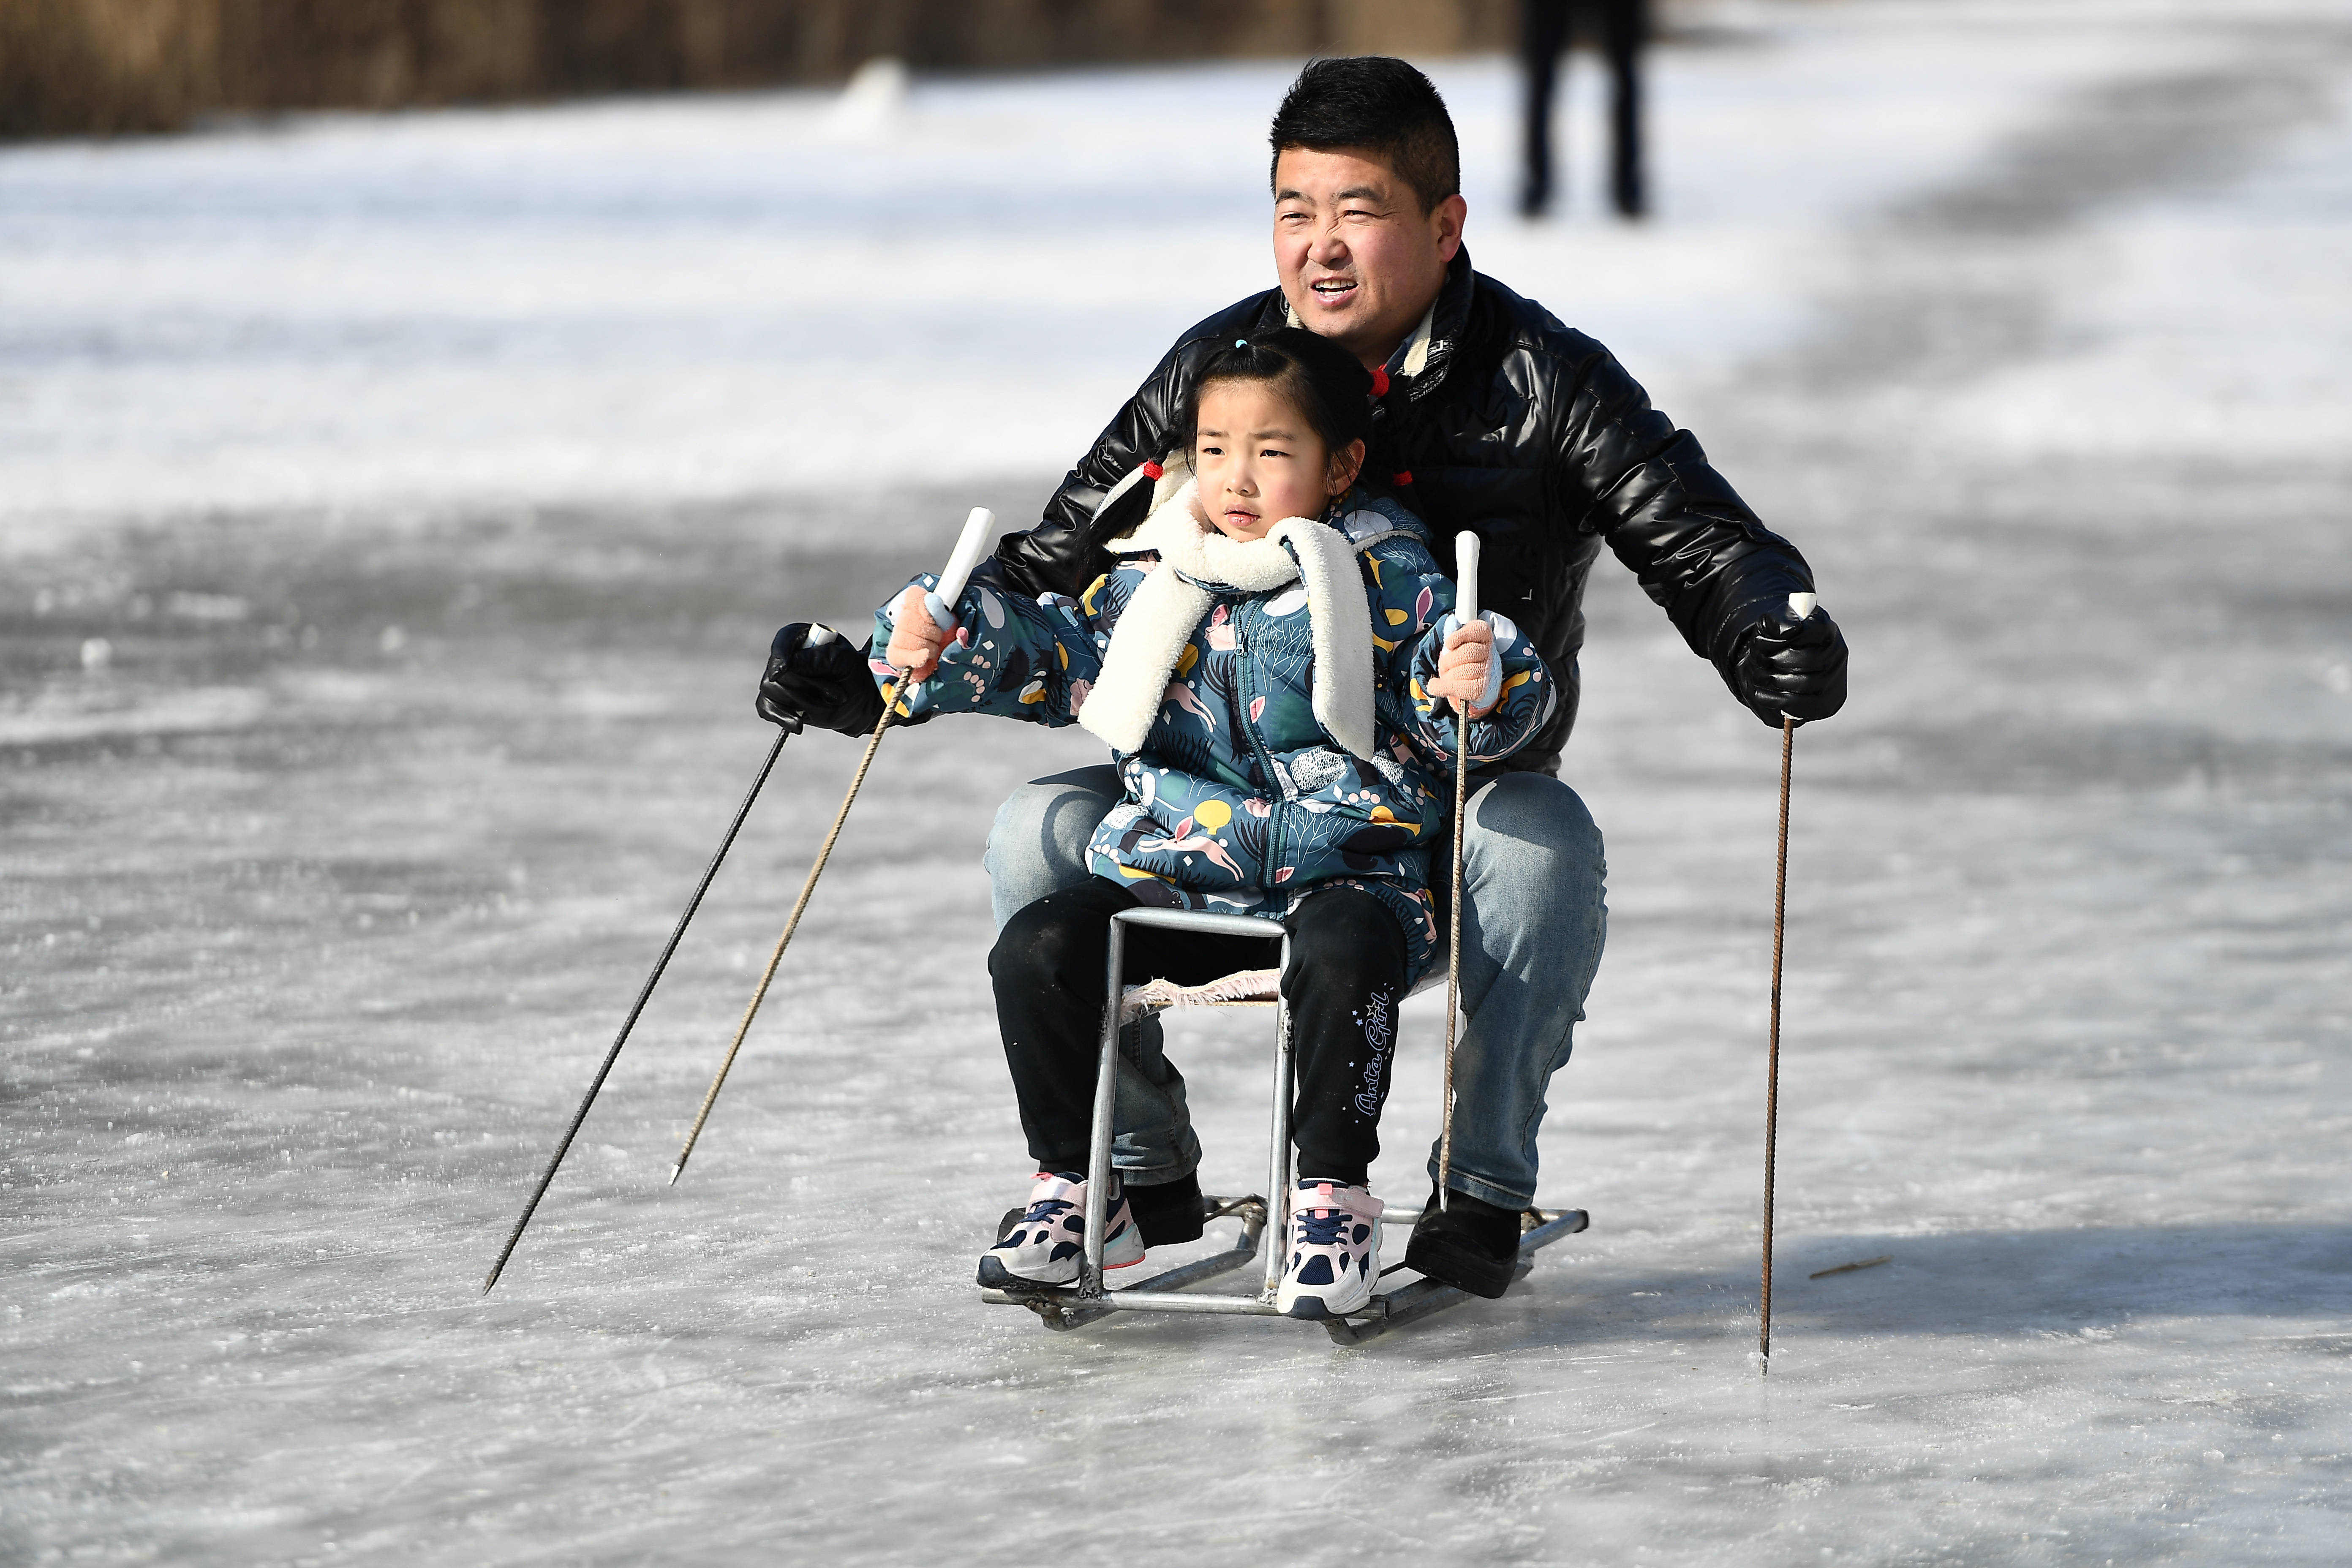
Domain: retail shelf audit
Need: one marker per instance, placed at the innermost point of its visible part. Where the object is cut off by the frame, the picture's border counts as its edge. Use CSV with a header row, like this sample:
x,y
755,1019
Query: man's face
x,y
1358,259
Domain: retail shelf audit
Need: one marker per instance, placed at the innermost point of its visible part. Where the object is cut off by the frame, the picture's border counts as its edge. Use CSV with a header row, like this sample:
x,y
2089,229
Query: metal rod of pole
x,y
1772,1075
889,710
1453,954
563,1146
1465,609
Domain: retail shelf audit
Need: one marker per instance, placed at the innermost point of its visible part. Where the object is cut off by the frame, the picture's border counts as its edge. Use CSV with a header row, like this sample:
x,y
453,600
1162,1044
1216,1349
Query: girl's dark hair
x,y
1323,381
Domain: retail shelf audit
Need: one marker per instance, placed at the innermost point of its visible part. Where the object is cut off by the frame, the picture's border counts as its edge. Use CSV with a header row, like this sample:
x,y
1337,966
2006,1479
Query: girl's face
x,y
1259,461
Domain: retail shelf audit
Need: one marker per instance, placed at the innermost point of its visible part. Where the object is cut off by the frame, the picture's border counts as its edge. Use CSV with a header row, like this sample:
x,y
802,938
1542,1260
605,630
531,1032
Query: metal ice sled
x,y
1068,1306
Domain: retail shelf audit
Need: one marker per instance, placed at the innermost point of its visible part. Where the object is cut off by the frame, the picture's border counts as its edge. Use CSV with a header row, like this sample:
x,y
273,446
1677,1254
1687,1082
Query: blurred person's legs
x,y
1543,33
1037,846
1546,30
1625,28
1534,918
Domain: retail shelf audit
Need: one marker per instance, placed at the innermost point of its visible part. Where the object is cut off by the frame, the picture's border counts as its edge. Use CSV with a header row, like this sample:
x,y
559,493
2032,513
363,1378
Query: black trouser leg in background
x,y
1347,979
1625,28
1543,33
1545,28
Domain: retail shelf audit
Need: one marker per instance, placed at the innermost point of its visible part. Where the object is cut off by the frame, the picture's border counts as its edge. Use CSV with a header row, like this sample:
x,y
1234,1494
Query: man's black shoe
x,y
1472,1245
1169,1213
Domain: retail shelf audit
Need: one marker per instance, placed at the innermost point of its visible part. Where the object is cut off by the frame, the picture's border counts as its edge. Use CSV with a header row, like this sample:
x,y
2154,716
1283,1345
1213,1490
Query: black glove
x,y
826,684
1792,666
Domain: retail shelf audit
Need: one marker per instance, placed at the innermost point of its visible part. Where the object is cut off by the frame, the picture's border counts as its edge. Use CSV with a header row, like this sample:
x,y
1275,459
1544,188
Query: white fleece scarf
x,y
1170,605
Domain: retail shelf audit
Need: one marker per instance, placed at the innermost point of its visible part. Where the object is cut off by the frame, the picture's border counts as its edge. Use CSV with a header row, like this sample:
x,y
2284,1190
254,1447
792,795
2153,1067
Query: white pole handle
x,y
970,547
1465,577
1802,605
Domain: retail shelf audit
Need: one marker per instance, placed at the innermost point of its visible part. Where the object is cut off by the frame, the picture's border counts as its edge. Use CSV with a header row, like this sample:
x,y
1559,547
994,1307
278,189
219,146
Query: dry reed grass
x,y
115,67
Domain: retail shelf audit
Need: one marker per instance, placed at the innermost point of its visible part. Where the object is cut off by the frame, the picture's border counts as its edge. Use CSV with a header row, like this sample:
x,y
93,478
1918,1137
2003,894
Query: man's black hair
x,y
1378,105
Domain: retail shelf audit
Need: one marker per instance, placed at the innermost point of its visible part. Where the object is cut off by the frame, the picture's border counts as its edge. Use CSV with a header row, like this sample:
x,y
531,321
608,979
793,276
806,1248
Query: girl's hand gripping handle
x,y
922,621
1468,674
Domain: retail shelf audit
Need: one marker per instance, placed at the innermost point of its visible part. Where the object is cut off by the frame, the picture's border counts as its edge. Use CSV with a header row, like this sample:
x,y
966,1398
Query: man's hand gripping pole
x,y
972,544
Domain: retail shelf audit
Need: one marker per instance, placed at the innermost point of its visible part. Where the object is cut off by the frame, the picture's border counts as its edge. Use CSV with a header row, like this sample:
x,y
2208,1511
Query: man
x,y
1498,419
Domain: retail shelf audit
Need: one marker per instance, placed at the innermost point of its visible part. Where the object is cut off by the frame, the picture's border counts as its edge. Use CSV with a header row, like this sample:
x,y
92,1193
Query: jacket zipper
x,y
1279,800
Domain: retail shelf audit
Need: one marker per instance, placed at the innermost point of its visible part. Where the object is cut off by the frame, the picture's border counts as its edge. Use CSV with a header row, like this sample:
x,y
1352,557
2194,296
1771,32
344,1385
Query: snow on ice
x,y
392,513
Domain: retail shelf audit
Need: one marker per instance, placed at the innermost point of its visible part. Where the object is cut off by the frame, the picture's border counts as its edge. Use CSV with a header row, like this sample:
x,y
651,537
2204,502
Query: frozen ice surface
x,y
433,483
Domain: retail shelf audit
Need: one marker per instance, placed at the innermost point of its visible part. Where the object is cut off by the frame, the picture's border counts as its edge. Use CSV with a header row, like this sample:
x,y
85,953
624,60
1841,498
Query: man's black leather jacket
x,y
1518,428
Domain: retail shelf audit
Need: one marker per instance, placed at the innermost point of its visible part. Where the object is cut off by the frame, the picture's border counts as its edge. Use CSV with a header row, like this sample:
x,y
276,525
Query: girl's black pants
x,y
1347,978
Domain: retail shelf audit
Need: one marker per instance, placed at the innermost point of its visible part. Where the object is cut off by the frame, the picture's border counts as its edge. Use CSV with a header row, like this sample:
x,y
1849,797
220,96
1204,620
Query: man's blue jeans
x,y
1533,922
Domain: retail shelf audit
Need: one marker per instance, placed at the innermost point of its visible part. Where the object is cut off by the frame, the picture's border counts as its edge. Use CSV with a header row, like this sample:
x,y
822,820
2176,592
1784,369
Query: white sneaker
x,y
1335,1251
1048,1246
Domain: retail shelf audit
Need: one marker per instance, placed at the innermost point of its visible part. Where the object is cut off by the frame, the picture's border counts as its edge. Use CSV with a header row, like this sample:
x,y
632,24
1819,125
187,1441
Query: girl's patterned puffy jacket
x,y
1251,775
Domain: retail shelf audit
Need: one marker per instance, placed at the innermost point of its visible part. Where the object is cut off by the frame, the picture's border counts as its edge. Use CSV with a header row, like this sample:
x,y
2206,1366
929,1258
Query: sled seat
x,y
1242,988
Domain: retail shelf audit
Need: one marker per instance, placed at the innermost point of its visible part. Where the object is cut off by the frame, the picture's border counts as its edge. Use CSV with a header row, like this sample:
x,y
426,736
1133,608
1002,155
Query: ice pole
x,y
1801,605
645,993
969,547
1465,609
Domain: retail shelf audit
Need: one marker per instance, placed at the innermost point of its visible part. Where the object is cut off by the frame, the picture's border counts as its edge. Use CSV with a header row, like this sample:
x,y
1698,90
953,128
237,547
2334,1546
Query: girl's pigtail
x,y
1126,504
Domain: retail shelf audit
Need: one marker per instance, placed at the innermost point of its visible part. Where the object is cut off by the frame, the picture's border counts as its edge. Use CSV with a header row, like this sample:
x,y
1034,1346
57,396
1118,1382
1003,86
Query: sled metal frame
x,y
1070,1307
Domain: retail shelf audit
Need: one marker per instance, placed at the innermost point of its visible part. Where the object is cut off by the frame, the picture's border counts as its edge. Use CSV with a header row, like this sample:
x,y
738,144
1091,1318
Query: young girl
x,y
1269,664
